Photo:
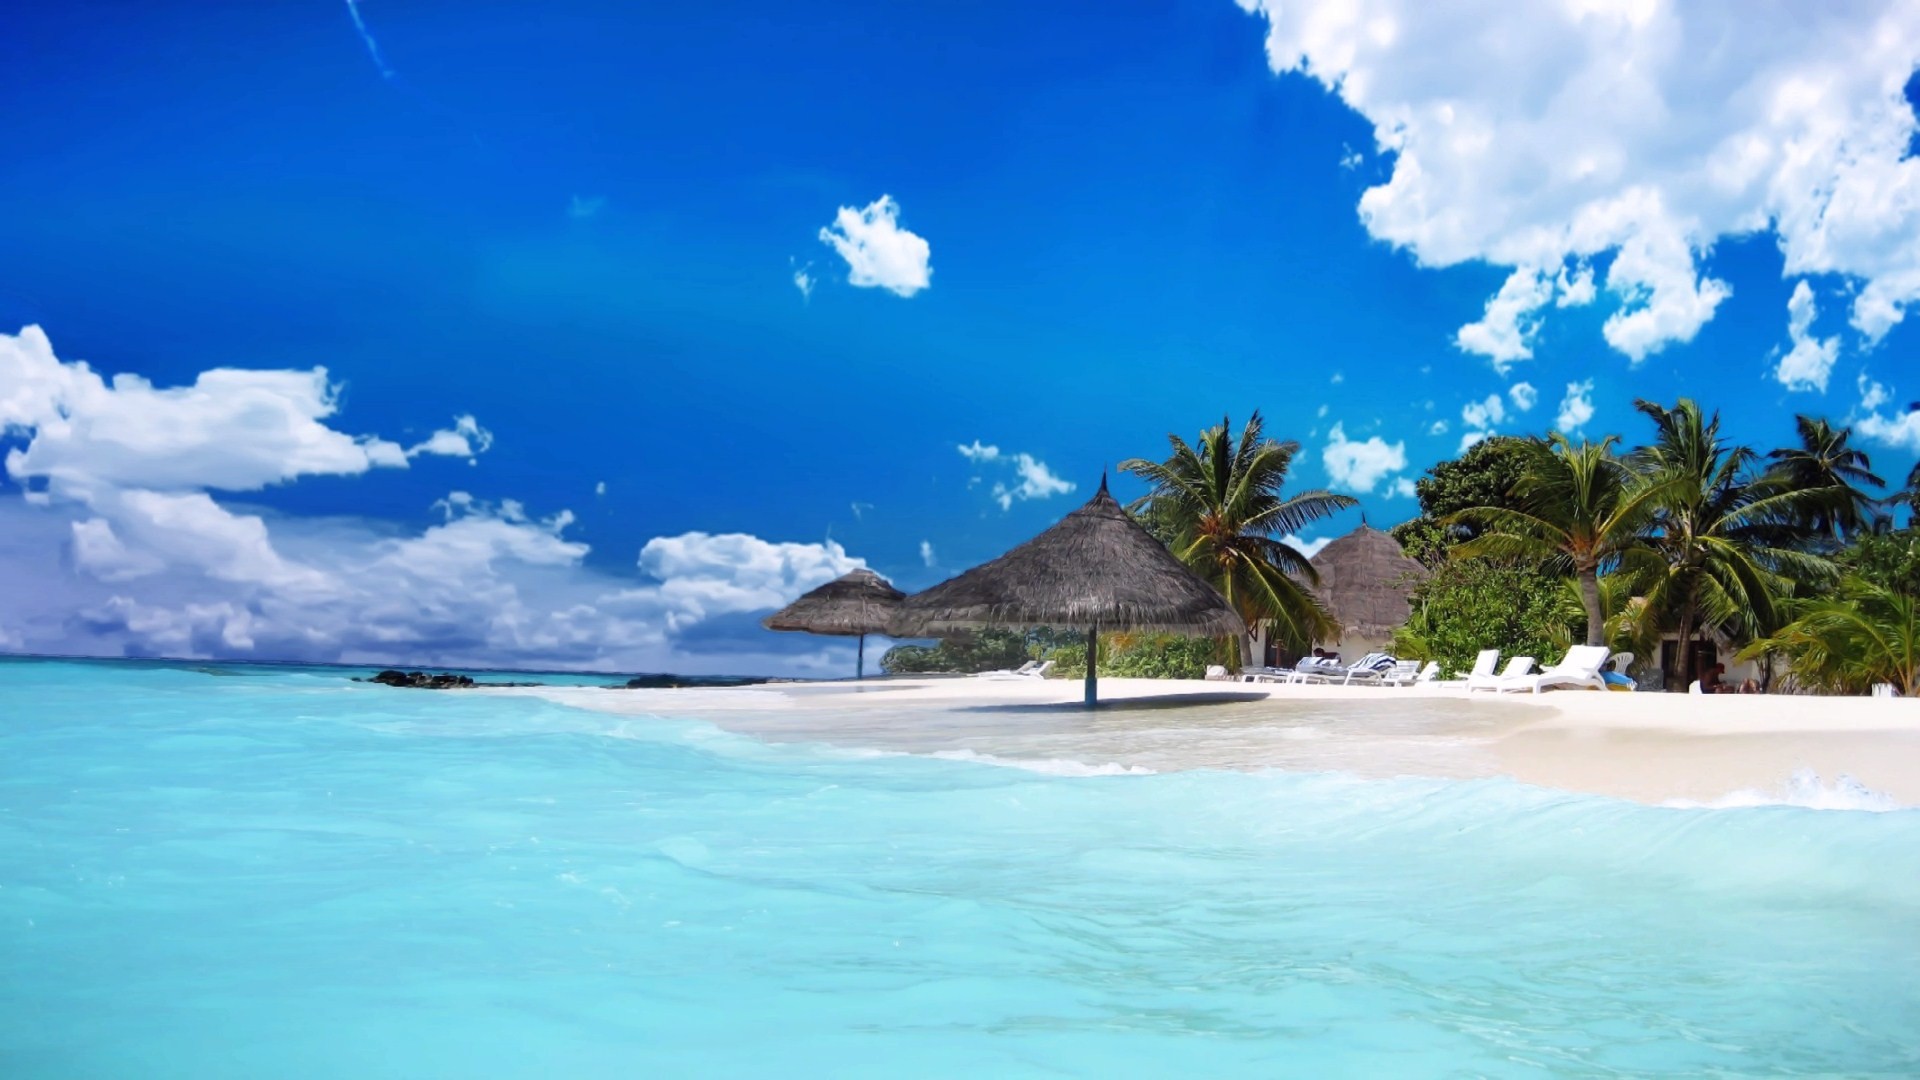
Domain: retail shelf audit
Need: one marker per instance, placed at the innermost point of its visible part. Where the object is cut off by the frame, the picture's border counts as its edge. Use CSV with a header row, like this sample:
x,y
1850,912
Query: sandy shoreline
x,y
1646,747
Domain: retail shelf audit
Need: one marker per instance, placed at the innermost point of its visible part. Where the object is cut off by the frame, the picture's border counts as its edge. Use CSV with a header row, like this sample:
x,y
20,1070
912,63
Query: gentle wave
x,y
1804,789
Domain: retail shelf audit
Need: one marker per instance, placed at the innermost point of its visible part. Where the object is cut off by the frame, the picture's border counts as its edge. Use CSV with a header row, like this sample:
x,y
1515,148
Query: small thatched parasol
x,y
1097,568
1365,577
856,605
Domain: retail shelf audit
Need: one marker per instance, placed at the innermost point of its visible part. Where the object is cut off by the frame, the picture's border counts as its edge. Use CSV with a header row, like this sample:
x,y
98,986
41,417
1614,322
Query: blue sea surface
x,y
296,875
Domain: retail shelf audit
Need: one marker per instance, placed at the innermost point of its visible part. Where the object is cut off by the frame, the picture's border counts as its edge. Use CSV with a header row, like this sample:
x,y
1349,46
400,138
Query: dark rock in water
x,y
444,681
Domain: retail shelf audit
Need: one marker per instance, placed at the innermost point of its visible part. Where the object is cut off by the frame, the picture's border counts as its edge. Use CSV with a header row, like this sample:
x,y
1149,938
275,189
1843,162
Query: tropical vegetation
x,y
1218,505
1790,557
1690,535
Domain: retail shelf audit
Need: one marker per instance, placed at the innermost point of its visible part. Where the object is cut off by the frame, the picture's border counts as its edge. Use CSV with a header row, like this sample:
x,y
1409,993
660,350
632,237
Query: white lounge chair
x,y
1423,674
1483,666
1580,667
1382,673
1032,669
1515,668
1312,669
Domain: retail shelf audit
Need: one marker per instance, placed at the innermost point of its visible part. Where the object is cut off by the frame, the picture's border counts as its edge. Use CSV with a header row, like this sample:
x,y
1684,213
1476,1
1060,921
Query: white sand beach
x,y
1647,747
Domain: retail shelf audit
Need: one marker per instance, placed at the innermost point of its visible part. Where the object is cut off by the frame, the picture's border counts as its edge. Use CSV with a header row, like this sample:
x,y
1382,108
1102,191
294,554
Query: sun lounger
x,y
1315,670
1375,669
1515,668
1412,673
1579,668
1032,669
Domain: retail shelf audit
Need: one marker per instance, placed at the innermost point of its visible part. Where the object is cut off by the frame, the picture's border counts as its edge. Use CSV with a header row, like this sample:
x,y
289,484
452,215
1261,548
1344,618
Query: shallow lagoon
x,y
297,875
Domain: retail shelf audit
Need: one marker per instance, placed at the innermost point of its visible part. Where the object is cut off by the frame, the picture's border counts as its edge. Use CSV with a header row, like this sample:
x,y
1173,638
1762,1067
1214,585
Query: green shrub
x,y
1473,604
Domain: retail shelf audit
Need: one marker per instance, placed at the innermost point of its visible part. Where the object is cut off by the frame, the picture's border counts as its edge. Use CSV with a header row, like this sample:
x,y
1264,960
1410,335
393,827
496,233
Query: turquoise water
x,y
295,875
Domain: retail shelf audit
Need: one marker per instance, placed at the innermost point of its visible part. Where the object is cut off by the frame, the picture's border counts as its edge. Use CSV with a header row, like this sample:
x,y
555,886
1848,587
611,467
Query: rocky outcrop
x,y
420,680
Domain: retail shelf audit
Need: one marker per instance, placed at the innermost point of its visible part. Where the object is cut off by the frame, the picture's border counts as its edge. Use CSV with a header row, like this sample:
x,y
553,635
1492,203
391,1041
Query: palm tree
x,y
1218,504
1581,511
1823,463
1861,635
1727,535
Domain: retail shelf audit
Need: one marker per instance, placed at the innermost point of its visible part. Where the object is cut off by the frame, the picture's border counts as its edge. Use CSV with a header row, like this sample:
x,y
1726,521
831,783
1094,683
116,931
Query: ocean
x,y
247,872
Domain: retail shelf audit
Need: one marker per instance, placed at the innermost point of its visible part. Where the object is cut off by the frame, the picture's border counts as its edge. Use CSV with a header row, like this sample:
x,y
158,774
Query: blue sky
x,y
582,226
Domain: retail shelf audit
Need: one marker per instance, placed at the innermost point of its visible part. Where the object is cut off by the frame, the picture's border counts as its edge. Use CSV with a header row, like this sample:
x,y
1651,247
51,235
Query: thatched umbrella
x,y
856,605
1096,568
1365,577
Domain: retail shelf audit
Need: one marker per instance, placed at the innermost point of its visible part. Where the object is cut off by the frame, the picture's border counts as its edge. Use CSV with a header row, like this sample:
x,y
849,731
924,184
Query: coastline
x,y
1649,748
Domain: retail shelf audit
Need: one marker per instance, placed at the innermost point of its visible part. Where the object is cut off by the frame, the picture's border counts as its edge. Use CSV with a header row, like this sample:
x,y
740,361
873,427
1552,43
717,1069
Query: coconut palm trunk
x,y
1590,600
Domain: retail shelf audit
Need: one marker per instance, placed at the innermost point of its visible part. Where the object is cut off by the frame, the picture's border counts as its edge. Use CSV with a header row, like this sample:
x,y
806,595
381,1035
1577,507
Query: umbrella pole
x,y
1093,659
860,662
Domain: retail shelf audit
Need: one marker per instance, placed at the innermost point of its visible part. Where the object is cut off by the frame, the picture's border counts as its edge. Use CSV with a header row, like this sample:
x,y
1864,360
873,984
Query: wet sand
x,y
1647,747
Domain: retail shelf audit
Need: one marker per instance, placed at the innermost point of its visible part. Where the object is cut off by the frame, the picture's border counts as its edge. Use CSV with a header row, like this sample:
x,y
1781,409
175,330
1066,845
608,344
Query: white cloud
x,y
231,430
120,545
1810,360
1309,548
1508,324
1574,291
1535,136
1350,158
926,552
466,439
1036,480
600,488
1896,429
1439,428
1322,414
803,280
1337,378
1523,396
1485,413
1358,466
1403,487
878,251
1470,439
1576,408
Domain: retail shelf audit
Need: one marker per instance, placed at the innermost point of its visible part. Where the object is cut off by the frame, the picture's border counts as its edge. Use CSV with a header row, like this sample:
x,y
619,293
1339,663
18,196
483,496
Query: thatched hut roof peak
x,y
858,603
1094,567
1365,577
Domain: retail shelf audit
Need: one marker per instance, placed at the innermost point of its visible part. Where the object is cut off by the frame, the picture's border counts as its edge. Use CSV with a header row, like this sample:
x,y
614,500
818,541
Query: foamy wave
x,y
1049,766
1805,790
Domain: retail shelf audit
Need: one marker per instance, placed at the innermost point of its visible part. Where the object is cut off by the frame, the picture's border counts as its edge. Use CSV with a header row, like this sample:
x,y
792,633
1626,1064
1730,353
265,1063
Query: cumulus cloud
x,y
1439,427
1576,408
1470,439
1540,137
1034,479
120,546
1523,396
1403,487
1485,413
1309,548
1895,428
879,253
926,552
803,279
465,439
231,430
1810,359
1359,466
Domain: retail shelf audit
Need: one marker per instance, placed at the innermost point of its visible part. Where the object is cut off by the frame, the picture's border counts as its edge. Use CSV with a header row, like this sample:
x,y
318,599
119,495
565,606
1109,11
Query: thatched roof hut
x,y
1096,568
858,604
1365,578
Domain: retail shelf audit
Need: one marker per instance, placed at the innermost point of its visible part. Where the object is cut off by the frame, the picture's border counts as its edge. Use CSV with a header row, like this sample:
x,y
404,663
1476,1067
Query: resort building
x,y
1365,579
